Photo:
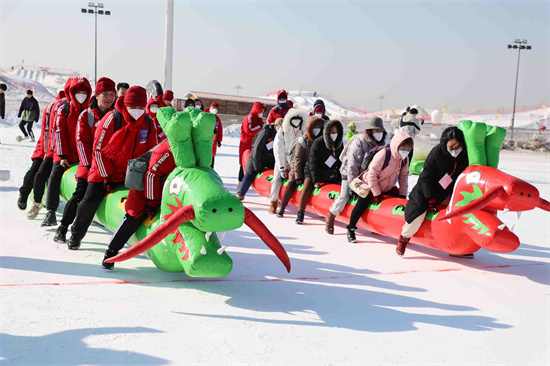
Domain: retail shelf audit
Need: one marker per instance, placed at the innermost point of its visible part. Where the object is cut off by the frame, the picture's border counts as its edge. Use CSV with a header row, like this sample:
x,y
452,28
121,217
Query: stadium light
x,y
519,48
96,12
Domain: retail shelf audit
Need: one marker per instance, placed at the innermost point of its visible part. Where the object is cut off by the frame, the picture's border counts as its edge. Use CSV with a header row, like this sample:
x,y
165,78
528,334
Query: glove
x,y
431,205
376,199
299,182
109,187
219,144
401,196
352,194
283,173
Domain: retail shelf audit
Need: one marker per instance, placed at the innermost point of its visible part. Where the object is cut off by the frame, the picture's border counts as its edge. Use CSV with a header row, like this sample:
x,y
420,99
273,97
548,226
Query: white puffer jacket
x,y
287,134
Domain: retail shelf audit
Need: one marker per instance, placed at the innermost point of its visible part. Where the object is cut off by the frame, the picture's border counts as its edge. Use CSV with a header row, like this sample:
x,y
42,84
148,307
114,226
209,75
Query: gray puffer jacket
x,y
354,152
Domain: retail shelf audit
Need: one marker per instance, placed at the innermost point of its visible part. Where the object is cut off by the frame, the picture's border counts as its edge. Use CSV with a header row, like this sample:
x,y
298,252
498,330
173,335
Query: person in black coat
x,y
323,165
435,185
29,113
3,88
261,156
319,110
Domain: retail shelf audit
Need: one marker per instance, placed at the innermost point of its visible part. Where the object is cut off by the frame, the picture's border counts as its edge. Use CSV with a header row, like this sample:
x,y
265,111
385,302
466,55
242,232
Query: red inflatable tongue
x,y
544,204
476,204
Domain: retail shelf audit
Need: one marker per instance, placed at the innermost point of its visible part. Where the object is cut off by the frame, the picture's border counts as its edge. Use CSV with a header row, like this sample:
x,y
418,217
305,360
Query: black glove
x,y
376,199
431,205
219,144
109,187
88,166
299,182
401,196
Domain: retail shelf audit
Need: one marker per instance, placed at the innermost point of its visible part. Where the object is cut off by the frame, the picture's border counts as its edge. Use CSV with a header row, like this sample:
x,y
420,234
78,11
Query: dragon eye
x,y
230,209
214,210
176,185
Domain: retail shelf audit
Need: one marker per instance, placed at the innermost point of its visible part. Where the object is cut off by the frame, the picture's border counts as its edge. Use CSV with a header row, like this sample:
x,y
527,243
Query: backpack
x,y
403,124
292,148
370,155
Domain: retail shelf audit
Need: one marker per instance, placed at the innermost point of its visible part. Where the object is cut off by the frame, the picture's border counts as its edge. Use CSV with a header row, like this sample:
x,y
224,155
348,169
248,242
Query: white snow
x,y
341,304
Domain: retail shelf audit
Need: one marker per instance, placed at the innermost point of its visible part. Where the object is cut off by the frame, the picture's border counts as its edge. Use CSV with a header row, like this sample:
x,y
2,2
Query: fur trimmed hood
x,y
313,122
326,134
295,114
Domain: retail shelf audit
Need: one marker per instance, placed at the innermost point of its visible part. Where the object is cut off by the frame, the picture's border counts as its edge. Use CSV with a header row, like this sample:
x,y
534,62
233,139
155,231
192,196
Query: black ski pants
x,y
125,230
54,183
40,179
28,181
69,213
29,128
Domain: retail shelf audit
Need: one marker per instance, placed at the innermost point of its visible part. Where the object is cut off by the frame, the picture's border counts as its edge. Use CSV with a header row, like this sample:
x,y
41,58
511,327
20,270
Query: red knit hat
x,y
105,85
214,105
168,95
135,96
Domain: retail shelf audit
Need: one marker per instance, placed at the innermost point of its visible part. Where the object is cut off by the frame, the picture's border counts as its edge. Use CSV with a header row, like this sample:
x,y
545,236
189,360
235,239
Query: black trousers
x,y
95,192
28,181
362,205
247,182
212,165
52,197
40,179
289,192
241,173
69,213
125,230
29,128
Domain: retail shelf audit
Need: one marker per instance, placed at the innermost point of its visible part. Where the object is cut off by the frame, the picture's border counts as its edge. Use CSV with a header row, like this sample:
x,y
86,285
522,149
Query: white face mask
x,y
153,109
403,154
282,100
378,136
333,136
136,113
319,115
198,106
316,131
261,114
454,153
295,122
214,111
81,98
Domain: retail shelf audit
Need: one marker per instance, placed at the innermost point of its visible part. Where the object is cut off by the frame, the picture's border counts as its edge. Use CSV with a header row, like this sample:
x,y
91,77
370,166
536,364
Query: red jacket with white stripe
x,y
161,165
105,169
50,144
42,143
65,125
85,131
252,124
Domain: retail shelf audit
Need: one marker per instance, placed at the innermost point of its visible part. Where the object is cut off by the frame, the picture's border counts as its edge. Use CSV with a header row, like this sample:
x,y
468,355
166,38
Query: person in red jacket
x,y
279,111
218,130
167,98
151,110
252,123
102,103
141,204
66,152
118,138
38,155
45,169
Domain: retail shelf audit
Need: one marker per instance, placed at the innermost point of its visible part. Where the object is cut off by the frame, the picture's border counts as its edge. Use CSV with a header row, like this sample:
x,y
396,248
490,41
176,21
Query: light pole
x,y
168,44
238,87
96,12
381,99
520,45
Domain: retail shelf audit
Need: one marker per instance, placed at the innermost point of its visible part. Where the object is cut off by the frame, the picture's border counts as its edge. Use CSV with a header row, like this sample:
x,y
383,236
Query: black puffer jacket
x,y
2,106
261,154
317,167
319,102
31,105
438,163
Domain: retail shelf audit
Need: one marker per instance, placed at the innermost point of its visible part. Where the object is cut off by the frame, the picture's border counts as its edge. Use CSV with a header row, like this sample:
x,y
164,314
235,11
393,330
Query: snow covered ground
x,y
341,304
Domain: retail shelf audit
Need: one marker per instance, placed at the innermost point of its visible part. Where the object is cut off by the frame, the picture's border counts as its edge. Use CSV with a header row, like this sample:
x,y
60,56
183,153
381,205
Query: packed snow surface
x,y
341,304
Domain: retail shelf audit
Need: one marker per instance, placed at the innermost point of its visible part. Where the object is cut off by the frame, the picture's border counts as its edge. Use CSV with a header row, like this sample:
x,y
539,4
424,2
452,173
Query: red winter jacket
x,y
50,147
85,139
277,111
65,125
218,130
105,169
160,133
41,147
252,124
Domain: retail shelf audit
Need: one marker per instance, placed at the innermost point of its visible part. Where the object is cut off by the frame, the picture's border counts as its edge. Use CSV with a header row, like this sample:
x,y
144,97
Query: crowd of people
x,y
103,130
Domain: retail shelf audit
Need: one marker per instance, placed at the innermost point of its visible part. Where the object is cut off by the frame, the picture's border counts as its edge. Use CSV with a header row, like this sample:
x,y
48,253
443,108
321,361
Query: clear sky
x,y
429,53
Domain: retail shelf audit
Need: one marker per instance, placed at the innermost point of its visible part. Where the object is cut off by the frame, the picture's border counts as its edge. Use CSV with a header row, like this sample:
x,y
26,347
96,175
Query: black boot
x,y
22,202
109,253
299,218
74,243
49,219
351,236
60,234
469,256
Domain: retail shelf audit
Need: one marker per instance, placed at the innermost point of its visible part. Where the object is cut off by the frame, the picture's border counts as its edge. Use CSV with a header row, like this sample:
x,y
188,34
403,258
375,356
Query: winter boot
x,y
351,236
240,196
22,202
300,218
60,234
469,256
35,209
49,219
401,245
273,207
109,253
74,243
329,223
281,212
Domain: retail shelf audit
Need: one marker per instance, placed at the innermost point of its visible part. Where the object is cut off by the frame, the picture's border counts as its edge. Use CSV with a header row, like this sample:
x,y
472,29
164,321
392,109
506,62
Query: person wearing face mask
x,y
388,166
118,138
281,109
198,104
151,110
443,165
218,130
102,102
352,158
352,131
66,150
296,174
167,98
323,165
189,103
319,110
293,126
251,125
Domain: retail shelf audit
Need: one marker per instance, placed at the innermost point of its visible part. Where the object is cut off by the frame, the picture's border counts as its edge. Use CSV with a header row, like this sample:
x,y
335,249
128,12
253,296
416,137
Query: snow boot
x,y
351,236
49,219
281,212
35,209
401,245
273,207
109,253
300,218
74,243
329,223
469,256
240,196
22,202
60,234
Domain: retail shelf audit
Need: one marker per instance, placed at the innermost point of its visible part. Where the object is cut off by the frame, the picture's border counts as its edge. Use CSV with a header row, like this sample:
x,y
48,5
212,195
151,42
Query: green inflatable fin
x,y
493,144
474,134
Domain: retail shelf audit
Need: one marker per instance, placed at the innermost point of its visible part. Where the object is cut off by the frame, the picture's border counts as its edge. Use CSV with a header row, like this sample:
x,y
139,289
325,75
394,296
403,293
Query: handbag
x,y
358,186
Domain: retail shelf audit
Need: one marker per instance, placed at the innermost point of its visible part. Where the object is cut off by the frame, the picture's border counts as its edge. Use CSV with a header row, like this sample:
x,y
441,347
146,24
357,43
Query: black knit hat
x,y
4,87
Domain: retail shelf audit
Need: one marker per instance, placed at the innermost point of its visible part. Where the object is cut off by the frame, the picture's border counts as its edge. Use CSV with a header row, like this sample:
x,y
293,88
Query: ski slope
x,y
341,304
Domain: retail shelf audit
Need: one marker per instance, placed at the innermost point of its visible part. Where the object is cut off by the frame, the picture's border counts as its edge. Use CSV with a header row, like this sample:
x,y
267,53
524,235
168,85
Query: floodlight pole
x,y
521,45
169,44
95,52
95,12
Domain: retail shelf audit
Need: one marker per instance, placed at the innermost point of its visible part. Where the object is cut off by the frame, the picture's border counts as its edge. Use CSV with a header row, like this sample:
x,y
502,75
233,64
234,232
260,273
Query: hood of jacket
x,y
80,84
397,139
313,122
60,95
257,108
295,114
282,92
67,89
317,103
331,145
150,102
